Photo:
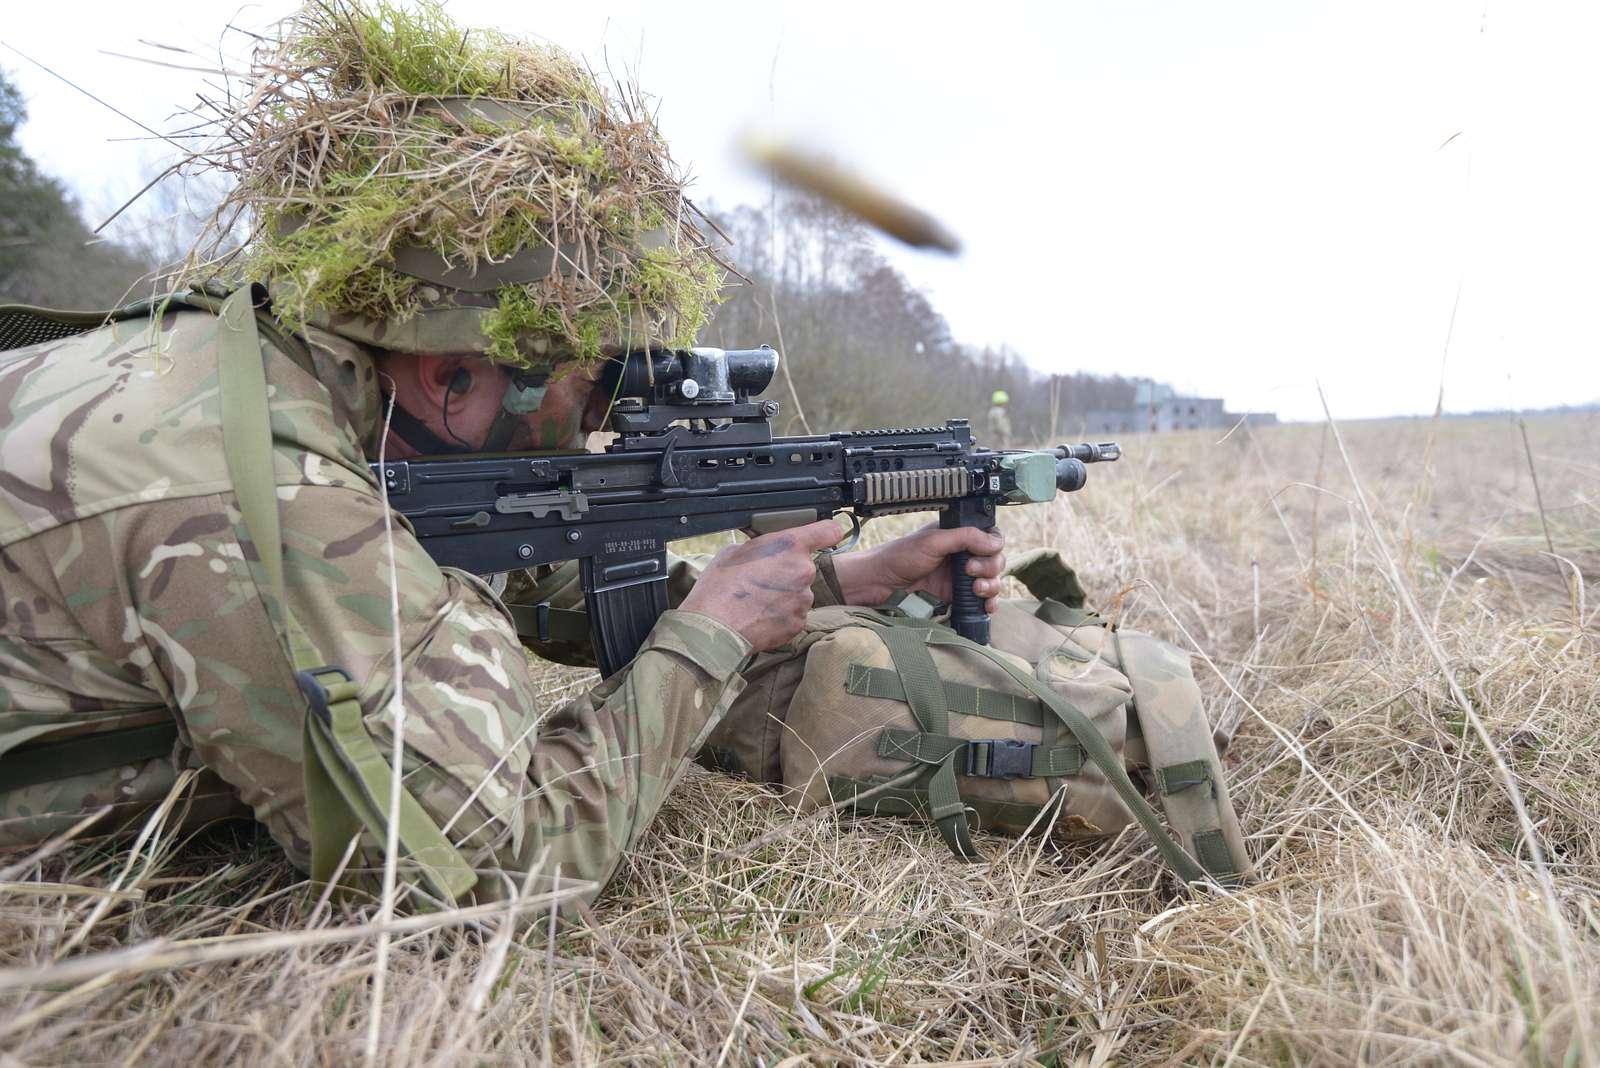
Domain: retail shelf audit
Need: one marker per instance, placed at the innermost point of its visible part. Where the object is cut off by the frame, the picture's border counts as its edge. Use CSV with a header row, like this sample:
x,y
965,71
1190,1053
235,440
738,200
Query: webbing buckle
x,y
316,694
914,604
1000,758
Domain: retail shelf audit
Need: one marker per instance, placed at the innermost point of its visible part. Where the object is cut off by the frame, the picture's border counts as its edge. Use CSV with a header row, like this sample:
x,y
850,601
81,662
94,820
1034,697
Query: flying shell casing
x,y
818,174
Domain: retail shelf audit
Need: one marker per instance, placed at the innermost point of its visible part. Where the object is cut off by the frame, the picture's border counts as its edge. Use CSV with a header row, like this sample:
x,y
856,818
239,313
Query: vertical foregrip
x,y
967,616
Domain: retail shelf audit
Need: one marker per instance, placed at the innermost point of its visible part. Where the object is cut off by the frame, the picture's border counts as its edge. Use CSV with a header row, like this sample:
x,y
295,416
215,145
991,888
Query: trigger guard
x,y
849,543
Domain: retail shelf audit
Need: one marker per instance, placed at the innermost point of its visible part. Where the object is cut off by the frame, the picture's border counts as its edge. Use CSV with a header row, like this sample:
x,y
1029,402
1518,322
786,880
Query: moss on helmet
x,y
661,279
351,144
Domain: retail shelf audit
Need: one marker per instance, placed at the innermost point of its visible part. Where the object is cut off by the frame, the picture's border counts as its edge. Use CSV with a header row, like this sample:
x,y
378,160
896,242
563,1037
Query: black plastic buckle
x,y
1000,758
316,694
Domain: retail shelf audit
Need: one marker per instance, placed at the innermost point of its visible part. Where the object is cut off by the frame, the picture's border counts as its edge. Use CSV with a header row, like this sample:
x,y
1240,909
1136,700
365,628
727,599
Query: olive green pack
x,y
1063,725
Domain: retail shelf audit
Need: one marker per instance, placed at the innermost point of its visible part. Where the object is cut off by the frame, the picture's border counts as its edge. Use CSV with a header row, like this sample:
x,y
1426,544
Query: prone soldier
x,y
202,588
191,563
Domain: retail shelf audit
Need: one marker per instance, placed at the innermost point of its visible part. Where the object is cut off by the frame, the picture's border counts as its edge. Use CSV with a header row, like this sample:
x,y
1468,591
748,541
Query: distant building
x,y
1158,409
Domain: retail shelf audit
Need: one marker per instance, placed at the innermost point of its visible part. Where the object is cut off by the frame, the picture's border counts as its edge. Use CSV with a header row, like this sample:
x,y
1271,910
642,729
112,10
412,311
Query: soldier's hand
x,y
920,562
762,588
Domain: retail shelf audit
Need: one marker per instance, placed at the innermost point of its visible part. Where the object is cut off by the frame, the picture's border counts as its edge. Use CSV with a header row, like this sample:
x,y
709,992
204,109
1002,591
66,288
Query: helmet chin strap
x,y
415,433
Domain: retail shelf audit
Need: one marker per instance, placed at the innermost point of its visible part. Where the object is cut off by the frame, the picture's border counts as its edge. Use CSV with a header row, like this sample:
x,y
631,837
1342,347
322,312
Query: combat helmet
x,y
425,188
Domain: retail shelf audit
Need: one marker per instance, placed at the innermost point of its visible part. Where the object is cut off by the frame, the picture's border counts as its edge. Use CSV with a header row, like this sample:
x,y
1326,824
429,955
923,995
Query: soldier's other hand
x,y
762,588
919,562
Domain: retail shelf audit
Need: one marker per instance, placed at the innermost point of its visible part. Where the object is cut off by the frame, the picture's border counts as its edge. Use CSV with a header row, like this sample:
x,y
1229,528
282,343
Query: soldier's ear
x,y
441,378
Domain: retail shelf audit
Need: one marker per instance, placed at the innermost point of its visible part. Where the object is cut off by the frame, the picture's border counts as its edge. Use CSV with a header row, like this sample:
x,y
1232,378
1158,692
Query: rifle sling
x,y
348,782
541,622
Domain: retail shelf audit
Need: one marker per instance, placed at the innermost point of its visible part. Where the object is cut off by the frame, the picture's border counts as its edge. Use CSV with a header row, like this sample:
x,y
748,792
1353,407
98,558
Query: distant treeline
x,y
47,254
864,347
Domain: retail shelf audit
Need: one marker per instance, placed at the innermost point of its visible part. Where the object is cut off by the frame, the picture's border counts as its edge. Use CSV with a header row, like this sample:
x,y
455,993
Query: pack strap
x,y
1097,749
919,678
1178,745
987,758
1217,856
348,782
925,693
910,801
1175,777
864,680
885,801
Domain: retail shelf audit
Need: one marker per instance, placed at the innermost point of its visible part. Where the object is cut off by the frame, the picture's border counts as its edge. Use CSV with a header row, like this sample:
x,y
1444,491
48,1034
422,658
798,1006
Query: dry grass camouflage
x,y
380,153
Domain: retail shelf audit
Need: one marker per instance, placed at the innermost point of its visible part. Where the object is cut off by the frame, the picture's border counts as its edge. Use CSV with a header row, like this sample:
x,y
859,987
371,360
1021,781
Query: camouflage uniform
x,y
130,591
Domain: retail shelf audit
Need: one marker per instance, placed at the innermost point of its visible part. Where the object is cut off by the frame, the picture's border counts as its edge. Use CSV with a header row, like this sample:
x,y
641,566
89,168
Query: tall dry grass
x,y
1364,646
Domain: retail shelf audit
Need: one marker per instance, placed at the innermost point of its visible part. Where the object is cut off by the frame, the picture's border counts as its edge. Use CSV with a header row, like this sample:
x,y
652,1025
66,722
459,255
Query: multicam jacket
x,y
131,593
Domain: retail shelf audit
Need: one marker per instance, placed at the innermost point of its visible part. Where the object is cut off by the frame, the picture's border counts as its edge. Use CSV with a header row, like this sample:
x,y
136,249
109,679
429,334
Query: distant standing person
x,y
999,420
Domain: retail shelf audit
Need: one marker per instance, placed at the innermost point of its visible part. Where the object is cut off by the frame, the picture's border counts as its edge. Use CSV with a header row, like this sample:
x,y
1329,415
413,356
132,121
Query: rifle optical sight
x,y
699,376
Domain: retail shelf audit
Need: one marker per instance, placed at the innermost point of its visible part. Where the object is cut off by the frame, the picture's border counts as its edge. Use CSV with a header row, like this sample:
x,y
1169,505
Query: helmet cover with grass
x,y
431,189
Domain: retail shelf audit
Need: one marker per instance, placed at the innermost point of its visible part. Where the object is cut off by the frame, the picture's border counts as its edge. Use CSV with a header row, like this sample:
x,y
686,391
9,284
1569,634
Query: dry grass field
x,y
1404,640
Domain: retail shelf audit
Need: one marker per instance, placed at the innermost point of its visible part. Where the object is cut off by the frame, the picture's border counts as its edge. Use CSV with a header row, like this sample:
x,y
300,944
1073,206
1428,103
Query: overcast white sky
x,y
1240,198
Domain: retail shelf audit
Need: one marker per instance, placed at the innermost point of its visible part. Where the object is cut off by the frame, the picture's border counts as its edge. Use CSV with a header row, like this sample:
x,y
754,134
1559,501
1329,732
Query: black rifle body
x,y
662,481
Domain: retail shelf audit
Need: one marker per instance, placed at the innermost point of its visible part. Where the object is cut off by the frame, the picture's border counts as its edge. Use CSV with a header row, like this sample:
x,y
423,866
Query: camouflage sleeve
x,y
649,720
580,784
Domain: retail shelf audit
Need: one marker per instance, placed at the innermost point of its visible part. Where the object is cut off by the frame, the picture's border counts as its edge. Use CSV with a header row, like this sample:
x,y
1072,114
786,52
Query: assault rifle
x,y
694,454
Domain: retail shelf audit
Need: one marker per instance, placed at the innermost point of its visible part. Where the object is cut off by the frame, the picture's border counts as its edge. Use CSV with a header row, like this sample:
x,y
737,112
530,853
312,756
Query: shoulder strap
x,y
348,782
1096,748
924,692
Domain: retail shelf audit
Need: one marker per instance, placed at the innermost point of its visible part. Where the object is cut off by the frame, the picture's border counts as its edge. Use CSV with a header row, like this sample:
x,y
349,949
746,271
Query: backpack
x,y
1063,725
